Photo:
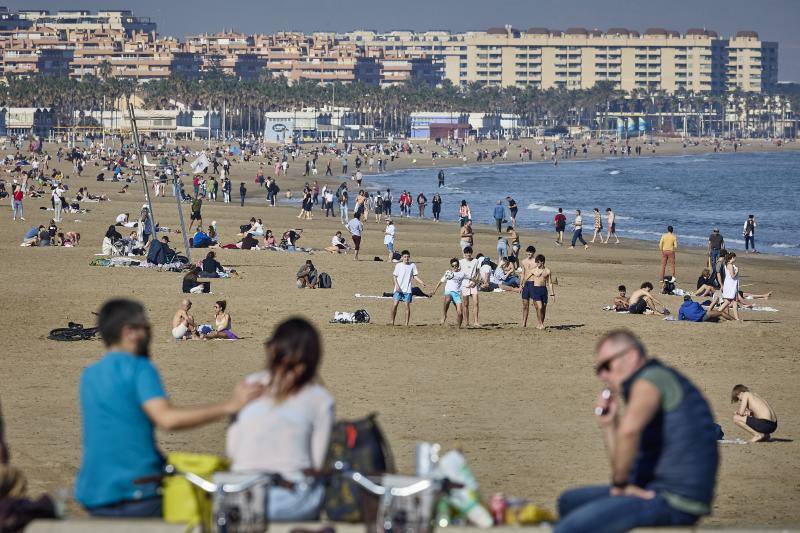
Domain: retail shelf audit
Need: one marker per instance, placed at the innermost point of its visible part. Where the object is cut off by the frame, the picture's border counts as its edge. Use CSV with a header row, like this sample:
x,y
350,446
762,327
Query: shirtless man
x,y
537,282
642,302
183,326
611,224
466,235
514,237
753,414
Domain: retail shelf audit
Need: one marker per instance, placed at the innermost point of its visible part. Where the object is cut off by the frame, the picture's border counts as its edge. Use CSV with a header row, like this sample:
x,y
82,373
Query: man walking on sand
x,y
663,448
355,227
577,231
405,273
560,221
611,221
668,245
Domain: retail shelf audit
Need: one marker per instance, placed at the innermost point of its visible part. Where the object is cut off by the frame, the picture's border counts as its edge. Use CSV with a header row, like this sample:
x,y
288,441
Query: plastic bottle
x,y
453,466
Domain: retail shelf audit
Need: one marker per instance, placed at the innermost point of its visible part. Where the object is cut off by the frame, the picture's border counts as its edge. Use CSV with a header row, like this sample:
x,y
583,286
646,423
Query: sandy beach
x,y
518,402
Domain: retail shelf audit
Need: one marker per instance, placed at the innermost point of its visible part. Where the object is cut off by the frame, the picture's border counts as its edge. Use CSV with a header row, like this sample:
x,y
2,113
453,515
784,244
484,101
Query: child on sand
x,y
621,299
753,414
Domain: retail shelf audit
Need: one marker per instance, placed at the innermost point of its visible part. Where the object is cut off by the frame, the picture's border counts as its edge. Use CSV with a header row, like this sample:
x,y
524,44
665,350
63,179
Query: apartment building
x,y
123,20
119,44
658,59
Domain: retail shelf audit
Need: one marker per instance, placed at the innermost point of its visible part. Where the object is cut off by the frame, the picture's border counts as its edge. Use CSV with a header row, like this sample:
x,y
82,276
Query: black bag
x,y
669,286
361,445
361,316
324,281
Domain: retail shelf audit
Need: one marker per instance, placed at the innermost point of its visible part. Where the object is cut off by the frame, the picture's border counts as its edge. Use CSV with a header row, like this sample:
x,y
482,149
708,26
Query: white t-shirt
x,y
486,269
468,267
404,274
337,241
122,218
453,284
578,222
388,234
285,437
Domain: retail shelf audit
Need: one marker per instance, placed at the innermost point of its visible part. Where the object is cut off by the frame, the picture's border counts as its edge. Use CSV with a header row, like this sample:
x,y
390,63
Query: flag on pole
x,y
200,164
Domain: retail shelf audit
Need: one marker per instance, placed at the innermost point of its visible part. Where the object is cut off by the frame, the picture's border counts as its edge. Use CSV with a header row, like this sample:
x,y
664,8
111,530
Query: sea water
x,y
693,193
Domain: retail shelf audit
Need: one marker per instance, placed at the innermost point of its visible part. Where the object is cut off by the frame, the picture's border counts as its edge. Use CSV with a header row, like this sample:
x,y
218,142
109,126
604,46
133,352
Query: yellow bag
x,y
183,502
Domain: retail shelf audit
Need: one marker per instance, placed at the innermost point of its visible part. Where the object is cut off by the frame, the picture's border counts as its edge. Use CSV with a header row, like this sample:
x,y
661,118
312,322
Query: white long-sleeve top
x,y
285,437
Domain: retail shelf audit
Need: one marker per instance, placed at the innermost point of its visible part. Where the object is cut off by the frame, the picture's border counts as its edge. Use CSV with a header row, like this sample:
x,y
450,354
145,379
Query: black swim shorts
x,y
638,308
762,426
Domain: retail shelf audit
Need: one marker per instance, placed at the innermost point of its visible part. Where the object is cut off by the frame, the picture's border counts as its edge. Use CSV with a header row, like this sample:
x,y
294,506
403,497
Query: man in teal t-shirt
x,y
122,402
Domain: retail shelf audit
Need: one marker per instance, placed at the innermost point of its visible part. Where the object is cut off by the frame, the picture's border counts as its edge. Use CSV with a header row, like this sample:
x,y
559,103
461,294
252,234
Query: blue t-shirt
x,y
118,436
691,311
499,212
33,232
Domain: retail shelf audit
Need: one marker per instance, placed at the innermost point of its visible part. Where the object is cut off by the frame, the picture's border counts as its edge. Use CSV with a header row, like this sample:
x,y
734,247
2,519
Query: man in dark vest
x,y
663,448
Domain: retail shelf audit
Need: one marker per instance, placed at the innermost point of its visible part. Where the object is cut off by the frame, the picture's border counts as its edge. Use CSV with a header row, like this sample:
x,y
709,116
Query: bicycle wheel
x,y
66,334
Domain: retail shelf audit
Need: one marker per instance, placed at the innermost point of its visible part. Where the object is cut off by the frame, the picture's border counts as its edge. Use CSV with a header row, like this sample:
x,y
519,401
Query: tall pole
x,y
135,132
176,188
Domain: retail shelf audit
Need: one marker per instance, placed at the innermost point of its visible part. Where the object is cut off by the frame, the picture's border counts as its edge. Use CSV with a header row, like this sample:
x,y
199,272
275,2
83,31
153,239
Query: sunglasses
x,y
605,366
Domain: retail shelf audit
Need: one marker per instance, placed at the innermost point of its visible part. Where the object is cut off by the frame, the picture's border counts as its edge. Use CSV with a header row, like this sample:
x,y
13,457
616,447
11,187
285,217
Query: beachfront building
x,y
658,60
440,125
26,121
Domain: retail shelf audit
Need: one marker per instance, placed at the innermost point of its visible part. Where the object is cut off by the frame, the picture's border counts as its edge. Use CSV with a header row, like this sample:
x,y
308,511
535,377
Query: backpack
x,y
361,445
669,286
324,281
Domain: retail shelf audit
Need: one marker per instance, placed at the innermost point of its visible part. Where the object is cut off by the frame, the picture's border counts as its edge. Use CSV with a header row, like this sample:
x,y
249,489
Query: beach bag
x,y
183,502
361,317
361,445
324,281
669,286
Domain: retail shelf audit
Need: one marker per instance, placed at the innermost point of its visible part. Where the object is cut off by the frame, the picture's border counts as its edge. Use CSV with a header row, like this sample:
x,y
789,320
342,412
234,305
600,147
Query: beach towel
x,y
732,441
382,297
765,308
611,308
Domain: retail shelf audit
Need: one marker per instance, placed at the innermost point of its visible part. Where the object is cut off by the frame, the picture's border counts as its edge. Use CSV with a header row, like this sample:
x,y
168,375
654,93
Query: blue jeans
x,y
749,241
149,508
301,504
577,235
714,257
594,509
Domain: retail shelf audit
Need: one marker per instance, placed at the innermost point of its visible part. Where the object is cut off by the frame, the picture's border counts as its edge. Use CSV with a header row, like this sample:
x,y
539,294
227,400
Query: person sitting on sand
x,y
753,414
191,284
201,239
124,189
269,239
506,277
338,244
248,242
183,326
643,302
694,312
705,284
307,276
621,301
31,238
223,322
211,267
